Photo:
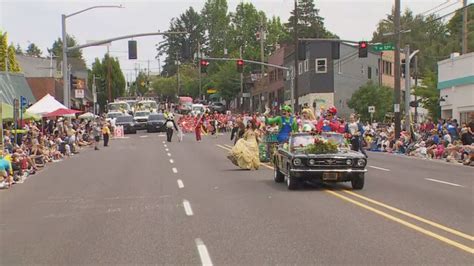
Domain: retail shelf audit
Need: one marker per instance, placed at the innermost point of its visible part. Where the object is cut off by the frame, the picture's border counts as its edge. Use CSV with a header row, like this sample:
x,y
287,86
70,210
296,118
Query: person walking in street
x,y
170,125
106,134
198,127
356,131
96,132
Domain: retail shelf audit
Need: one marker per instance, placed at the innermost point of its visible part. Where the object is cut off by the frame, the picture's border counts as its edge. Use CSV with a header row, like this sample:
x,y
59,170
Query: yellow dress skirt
x,y
245,152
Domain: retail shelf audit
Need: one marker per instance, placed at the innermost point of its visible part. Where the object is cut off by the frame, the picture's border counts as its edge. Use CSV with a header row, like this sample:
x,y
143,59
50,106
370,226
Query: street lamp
x,y
65,66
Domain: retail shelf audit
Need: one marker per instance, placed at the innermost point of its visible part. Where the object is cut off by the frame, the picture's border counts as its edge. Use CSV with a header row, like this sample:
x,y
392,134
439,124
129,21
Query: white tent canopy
x,y
47,104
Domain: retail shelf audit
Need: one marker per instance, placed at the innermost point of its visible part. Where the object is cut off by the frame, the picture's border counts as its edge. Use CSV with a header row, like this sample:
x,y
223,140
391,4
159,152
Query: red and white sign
x,y
79,93
119,132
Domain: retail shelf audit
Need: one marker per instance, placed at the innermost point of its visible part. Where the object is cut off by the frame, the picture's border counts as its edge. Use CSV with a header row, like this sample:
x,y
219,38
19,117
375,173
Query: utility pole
x,y
65,72
262,45
407,87
241,86
94,94
177,72
397,93
199,70
416,85
295,101
109,74
464,28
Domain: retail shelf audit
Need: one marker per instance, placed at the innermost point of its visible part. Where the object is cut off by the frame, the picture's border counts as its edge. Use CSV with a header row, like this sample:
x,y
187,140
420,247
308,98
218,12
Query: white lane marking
x,y
165,146
187,208
175,170
164,142
180,183
443,182
171,161
203,253
379,168
169,154
144,136
167,149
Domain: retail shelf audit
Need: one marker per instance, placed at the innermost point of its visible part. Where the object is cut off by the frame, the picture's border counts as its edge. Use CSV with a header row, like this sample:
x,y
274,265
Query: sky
x,y
39,21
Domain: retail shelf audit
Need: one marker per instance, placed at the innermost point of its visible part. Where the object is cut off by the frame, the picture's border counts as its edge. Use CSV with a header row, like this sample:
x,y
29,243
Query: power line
x,y
450,13
455,3
429,10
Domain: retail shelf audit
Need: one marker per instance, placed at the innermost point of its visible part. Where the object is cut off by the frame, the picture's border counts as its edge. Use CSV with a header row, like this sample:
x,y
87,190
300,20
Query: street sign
x,y
396,108
246,94
383,47
79,94
371,109
211,91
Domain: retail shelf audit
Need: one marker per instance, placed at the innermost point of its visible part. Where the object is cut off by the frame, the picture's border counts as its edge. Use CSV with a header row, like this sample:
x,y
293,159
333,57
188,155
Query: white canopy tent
x,y
46,105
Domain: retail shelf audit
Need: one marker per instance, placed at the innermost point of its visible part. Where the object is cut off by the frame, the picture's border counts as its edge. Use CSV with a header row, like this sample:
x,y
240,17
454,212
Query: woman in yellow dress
x,y
245,152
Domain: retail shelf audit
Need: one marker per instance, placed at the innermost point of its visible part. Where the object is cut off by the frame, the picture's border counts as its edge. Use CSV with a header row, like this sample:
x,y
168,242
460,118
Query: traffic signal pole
x,y
397,91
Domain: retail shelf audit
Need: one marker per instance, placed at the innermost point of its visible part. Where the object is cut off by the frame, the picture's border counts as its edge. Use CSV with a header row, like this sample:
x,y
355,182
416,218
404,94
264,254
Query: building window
x,y
300,68
306,65
369,72
321,65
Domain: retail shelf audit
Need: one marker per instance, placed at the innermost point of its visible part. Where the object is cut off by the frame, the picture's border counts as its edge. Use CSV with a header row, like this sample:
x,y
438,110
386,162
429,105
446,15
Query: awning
x,y
7,113
13,86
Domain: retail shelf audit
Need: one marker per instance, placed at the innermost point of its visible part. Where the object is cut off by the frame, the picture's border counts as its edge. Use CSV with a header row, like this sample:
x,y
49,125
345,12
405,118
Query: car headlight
x,y
297,162
348,161
312,162
361,162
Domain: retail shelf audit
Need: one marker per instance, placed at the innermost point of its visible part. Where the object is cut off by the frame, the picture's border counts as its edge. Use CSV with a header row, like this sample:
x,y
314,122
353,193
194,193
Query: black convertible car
x,y
156,123
331,161
127,122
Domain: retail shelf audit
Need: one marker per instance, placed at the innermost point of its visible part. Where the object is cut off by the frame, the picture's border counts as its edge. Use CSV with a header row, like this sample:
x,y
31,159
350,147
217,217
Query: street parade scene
x,y
235,138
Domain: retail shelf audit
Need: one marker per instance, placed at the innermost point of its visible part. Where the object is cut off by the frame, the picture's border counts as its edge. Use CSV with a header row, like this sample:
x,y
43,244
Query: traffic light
x,y
185,52
204,63
240,65
335,50
74,82
132,49
302,51
363,49
403,67
414,104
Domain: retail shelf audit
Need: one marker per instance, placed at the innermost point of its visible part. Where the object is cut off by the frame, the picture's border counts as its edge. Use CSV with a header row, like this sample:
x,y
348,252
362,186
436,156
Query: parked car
x,y
217,107
197,109
141,118
294,164
128,124
156,123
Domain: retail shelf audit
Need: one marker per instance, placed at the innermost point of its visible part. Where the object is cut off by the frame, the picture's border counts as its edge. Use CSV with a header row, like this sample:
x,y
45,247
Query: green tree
x,y
277,33
455,29
428,94
57,49
428,34
225,80
18,49
372,95
216,22
33,50
310,24
165,87
8,53
13,64
174,45
100,71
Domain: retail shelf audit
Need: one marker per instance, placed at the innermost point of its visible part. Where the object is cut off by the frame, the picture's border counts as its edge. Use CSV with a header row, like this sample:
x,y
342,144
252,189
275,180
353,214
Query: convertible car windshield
x,y
300,142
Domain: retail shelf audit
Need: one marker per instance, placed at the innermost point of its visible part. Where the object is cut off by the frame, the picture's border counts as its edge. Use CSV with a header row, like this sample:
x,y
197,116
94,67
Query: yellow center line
x,y
405,223
442,227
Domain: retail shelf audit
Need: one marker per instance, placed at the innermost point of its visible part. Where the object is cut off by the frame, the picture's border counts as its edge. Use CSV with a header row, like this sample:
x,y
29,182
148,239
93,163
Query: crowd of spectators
x,y
35,145
445,139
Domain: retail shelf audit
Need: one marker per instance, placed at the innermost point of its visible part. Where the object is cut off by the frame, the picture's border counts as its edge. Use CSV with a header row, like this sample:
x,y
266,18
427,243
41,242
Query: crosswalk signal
x,y
204,64
240,65
132,49
363,49
403,67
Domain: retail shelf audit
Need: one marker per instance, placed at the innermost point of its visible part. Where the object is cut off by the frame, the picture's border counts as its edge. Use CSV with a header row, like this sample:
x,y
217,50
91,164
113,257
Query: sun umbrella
x,y
62,112
87,115
7,114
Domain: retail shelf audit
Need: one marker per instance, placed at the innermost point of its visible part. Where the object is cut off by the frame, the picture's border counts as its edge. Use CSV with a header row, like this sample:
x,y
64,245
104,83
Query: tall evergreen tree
x,y
216,22
33,50
310,24
7,55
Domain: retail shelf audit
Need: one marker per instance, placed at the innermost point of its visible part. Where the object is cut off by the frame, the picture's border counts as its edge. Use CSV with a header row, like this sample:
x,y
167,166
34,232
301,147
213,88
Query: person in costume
x,y
286,124
245,153
198,125
329,122
308,120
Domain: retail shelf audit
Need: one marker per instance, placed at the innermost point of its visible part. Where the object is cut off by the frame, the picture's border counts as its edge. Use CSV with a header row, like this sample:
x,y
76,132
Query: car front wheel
x,y
291,182
278,177
357,181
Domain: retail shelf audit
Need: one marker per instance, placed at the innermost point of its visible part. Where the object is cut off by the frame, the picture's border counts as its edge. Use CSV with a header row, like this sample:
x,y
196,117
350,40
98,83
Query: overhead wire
x,y
429,10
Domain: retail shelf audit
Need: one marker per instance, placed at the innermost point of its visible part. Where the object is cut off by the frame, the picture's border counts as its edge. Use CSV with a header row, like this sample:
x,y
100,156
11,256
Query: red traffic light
x,y
363,44
204,62
240,62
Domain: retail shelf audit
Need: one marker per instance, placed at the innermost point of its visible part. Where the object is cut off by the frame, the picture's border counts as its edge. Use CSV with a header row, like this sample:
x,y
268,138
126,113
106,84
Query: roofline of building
x,y
460,57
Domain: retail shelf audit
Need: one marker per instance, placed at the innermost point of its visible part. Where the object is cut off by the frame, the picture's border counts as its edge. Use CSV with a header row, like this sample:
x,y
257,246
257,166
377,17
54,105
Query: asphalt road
x,y
141,202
